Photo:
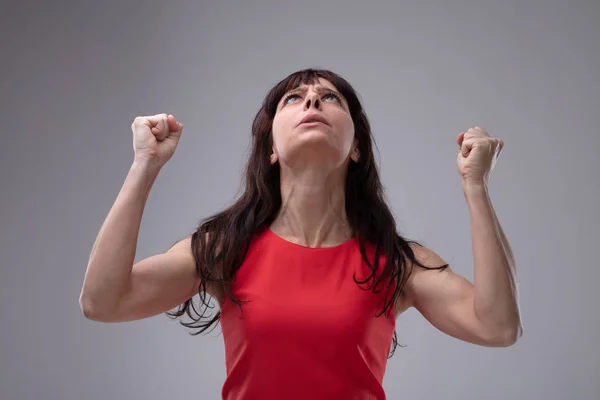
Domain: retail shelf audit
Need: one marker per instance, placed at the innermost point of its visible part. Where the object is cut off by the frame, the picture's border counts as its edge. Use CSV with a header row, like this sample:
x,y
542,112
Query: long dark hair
x,y
221,242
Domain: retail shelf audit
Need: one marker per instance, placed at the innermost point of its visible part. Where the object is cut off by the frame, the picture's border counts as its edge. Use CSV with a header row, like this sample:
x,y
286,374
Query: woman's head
x,y
344,144
307,93
312,126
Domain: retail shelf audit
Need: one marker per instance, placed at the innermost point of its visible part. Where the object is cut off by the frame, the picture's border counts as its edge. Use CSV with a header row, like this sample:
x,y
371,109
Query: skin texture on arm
x,y
485,312
160,283
446,300
157,284
113,287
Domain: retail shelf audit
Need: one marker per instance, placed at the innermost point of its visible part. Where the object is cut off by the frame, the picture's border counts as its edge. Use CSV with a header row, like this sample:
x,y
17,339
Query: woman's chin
x,y
316,134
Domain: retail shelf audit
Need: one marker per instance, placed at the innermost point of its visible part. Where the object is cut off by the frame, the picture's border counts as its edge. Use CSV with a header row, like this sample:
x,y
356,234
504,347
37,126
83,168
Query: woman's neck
x,y
313,212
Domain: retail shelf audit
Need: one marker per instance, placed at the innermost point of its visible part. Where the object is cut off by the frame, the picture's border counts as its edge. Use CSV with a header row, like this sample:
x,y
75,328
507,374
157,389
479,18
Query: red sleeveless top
x,y
309,331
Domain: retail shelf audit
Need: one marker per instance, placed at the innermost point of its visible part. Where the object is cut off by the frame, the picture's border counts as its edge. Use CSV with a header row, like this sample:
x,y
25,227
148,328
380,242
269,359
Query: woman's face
x,y
328,143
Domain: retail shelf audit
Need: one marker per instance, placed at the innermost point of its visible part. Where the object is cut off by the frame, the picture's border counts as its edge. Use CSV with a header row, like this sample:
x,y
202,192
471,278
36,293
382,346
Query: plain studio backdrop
x,y
75,75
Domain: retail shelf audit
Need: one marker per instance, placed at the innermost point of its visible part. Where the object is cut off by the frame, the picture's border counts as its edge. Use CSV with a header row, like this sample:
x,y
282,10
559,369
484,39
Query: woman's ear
x,y
273,158
355,154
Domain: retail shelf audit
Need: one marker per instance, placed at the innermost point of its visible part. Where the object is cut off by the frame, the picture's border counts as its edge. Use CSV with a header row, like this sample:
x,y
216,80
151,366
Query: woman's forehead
x,y
319,83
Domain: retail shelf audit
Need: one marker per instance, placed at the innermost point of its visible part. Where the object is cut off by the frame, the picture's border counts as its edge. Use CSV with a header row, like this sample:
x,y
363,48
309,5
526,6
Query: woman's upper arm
x,y
160,283
445,299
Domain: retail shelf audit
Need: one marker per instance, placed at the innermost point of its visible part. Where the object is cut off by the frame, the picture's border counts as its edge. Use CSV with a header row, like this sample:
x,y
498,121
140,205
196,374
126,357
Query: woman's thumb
x,y
174,125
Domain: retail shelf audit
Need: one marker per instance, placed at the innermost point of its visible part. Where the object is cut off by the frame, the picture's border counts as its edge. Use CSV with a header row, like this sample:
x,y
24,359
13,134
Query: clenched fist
x,y
155,138
477,155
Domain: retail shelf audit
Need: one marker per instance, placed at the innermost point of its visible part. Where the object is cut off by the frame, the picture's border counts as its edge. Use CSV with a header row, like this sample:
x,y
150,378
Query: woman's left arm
x,y
486,312
495,299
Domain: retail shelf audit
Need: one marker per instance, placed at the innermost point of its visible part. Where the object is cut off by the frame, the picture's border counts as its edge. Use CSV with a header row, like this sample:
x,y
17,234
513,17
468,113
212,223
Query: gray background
x,y
75,74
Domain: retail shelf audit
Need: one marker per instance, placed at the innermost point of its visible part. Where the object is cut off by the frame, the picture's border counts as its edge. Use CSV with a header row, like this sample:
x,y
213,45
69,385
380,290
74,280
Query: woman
x,y
307,266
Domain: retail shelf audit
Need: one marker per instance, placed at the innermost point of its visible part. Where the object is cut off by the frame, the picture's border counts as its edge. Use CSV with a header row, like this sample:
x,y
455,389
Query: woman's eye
x,y
331,96
291,96
328,97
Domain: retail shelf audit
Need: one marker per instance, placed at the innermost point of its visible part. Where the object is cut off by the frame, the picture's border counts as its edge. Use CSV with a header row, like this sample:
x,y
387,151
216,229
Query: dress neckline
x,y
300,246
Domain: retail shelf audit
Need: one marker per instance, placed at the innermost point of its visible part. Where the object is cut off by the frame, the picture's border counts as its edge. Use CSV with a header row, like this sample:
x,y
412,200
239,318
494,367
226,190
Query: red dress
x,y
309,332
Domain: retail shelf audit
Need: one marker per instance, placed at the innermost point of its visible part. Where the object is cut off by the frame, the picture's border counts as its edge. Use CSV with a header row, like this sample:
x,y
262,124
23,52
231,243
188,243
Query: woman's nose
x,y
312,99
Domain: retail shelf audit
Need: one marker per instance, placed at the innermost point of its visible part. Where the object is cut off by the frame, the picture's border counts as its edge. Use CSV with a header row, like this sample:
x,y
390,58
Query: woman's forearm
x,y
109,267
495,275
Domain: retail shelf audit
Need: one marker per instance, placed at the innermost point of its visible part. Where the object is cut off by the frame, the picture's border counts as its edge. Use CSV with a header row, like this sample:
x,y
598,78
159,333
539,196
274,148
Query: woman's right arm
x,y
116,289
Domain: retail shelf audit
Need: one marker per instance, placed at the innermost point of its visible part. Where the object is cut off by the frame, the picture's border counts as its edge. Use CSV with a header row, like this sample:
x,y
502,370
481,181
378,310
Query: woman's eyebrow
x,y
318,88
